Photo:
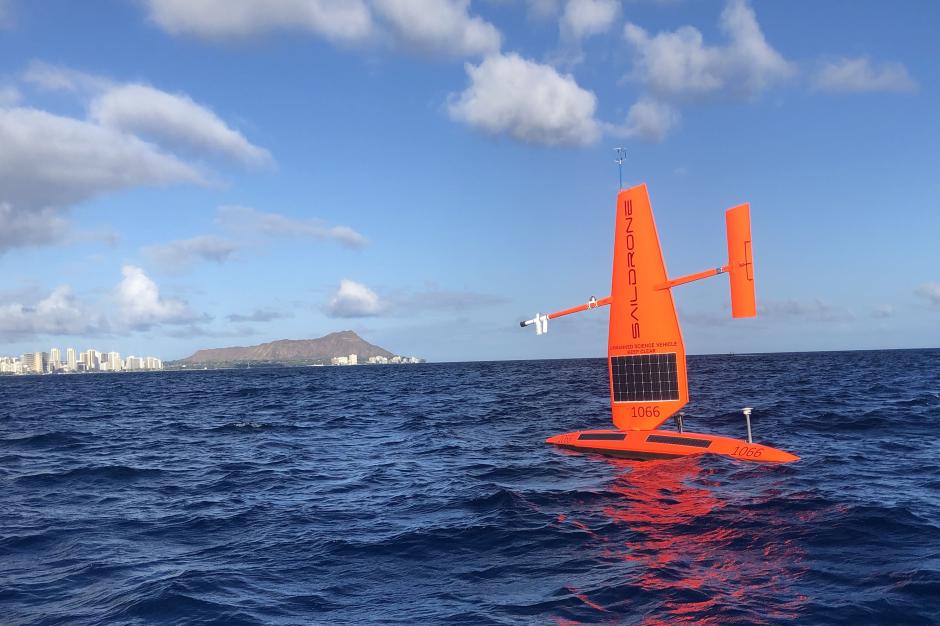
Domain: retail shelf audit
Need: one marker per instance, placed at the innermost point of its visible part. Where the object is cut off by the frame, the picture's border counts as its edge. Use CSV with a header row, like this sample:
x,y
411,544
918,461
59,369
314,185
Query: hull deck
x,y
665,444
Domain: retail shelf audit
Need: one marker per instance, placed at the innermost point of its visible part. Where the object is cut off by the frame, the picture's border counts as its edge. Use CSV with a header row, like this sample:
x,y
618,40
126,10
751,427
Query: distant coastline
x,y
343,348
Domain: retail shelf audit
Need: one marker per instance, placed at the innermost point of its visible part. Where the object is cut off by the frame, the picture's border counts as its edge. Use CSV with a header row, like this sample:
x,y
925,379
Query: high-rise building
x,y
353,359
91,359
33,362
114,362
55,359
70,362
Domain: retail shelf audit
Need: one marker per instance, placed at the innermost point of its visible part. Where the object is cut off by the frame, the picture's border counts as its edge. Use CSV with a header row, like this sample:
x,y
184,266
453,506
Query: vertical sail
x,y
741,261
645,353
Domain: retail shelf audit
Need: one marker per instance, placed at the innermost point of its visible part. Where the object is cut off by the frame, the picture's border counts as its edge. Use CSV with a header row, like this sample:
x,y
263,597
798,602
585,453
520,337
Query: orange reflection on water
x,y
699,572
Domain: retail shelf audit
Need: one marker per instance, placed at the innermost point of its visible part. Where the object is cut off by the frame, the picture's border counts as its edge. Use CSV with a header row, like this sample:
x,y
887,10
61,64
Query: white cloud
x,y
140,305
173,118
59,313
680,64
249,220
860,75
649,120
49,162
354,299
439,26
180,254
929,292
134,305
428,26
28,228
528,101
337,20
58,78
584,18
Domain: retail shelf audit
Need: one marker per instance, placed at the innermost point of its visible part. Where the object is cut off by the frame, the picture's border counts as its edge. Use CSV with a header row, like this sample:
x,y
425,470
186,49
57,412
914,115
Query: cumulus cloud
x,y
929,292
140,305
584,18
428,26
50,162
249,220
648,119
259,315
528,101
172,118
59,313
130,139
338,20
439,26
180,254
861,75
28,228
354,299
135,304
680,64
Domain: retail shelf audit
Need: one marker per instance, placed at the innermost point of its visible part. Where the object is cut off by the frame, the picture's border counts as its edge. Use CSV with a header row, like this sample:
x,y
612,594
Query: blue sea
x,y
426,495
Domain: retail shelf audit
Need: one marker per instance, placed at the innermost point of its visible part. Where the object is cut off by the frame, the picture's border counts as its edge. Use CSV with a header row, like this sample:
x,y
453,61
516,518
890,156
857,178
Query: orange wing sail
x,y
645,353
741,261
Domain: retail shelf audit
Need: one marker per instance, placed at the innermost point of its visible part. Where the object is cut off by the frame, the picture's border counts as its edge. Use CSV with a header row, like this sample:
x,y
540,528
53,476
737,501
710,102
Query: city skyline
x,y
90,360
248,175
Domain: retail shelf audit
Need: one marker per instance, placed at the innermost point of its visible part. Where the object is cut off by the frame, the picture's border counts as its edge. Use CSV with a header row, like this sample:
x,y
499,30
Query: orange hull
x,y
666,444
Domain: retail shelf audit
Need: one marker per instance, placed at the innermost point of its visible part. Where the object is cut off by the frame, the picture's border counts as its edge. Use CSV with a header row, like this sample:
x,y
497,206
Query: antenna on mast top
x,y
621,157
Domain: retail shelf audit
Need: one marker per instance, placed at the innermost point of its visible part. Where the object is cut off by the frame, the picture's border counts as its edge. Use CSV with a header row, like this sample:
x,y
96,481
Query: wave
x,y
429,496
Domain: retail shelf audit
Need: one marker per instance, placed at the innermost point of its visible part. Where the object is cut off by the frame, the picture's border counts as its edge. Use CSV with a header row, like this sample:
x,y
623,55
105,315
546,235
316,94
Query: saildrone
x,y
645,353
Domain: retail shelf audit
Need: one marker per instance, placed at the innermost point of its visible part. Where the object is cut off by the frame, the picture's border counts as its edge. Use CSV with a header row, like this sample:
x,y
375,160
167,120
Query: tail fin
x,y
741,261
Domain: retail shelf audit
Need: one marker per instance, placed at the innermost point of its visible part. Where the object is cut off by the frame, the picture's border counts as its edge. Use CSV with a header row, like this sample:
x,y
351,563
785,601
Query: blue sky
x,y
177,174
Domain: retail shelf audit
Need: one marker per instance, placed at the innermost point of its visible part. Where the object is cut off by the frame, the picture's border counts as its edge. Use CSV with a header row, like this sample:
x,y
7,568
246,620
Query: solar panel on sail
x,y
645,377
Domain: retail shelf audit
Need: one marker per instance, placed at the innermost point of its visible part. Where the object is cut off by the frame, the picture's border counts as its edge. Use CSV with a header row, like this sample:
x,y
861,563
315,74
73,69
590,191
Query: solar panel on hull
x,y
645,377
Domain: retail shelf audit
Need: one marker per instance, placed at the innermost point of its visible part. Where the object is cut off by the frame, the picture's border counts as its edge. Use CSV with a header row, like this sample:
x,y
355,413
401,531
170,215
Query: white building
x,y
34,362
114,362
10,365
92,360
70,362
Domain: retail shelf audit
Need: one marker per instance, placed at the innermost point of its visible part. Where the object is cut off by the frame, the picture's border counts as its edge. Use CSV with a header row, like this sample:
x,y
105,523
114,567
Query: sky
x,y
187,174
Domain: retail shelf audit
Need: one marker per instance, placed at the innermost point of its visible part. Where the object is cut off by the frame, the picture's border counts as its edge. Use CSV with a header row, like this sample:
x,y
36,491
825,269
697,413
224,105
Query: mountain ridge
x,y
340,343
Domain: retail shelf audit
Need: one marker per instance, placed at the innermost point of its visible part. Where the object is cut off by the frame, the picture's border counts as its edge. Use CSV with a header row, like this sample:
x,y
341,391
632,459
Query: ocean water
x,y
425,495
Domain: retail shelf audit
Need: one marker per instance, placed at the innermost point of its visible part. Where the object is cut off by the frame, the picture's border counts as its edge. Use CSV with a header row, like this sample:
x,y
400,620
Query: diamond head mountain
x,y
339,348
